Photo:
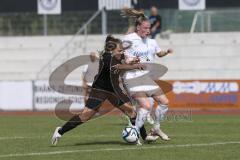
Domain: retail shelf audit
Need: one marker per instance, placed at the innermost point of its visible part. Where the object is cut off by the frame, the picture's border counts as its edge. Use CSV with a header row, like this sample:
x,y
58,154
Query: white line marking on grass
x,y
42,137
117,149
14,137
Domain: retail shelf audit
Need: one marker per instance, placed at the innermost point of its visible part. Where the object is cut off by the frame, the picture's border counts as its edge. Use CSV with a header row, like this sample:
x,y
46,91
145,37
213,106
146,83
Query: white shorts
x,y
143,84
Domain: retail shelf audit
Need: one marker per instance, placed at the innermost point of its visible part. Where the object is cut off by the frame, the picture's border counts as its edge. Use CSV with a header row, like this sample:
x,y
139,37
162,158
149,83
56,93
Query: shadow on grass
x,y
101,143
92,143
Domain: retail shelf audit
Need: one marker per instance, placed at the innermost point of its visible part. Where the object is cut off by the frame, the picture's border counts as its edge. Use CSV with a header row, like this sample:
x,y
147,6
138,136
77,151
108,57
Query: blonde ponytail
x,y
131,13
138,16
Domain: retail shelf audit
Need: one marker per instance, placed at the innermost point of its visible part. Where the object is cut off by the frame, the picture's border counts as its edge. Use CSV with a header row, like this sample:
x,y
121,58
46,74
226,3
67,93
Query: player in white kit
x,y
139,85
89,72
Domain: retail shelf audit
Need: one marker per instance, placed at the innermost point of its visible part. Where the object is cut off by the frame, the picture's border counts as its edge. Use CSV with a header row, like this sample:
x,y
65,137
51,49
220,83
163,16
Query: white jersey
x,y
145,49
90,71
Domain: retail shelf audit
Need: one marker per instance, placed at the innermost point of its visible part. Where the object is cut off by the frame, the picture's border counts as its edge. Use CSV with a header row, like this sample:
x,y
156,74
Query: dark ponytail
x,y
111,43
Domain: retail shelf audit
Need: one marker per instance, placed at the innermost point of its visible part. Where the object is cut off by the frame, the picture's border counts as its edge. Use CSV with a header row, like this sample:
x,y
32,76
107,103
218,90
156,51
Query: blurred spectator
x,y
156,22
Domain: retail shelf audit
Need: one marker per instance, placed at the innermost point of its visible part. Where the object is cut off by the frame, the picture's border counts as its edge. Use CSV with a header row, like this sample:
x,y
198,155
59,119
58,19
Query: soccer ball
x,y
130,134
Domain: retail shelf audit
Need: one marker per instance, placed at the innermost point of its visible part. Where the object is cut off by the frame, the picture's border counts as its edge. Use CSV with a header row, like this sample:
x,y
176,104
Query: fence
x,y
214,20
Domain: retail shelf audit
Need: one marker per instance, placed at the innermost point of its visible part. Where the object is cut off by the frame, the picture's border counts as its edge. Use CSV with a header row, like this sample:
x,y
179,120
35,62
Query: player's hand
x,y
136,60
115,68
140,66
170,51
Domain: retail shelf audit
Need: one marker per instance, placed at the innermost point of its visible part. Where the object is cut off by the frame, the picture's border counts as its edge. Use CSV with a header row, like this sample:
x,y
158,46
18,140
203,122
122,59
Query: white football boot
x,y
151,138
160,133
139,143
56,136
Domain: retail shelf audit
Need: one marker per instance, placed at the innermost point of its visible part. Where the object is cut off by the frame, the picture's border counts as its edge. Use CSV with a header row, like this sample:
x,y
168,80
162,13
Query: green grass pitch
x,y
214,137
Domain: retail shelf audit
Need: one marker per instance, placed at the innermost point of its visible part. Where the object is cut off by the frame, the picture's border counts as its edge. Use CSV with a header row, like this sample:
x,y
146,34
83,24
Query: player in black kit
x,y
105,87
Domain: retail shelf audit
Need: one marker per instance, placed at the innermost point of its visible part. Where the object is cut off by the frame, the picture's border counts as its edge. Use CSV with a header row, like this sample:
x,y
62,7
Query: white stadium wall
x,y
34,96
45,98
202,56
196,56
16,95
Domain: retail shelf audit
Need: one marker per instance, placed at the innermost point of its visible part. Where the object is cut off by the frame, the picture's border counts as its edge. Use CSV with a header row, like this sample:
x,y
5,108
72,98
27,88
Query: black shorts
x,y
98,96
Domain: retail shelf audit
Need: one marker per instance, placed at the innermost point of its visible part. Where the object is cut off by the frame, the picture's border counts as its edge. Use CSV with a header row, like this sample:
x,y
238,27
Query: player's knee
x,y
147,106
164,101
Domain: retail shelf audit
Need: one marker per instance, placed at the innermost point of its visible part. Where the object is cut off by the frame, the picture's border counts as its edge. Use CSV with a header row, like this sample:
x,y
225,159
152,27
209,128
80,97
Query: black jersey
x,y
107,78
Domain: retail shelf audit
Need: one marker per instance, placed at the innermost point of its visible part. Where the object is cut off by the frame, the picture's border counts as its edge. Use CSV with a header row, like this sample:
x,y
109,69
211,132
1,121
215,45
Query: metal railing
x,y
216,21
30,23
49,65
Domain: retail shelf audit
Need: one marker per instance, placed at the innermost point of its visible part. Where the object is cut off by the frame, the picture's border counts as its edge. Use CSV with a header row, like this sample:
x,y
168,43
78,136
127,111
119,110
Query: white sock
x,y
151,100
141,118
159,113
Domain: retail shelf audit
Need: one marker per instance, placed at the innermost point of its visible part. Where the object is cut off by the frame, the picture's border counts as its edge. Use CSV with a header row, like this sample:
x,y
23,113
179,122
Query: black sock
x,y
132,120
143,131
71,124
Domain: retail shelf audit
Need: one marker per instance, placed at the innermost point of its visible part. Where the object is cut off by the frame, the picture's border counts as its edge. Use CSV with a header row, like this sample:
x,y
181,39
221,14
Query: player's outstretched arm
x,y
164,53
132,60
129,66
